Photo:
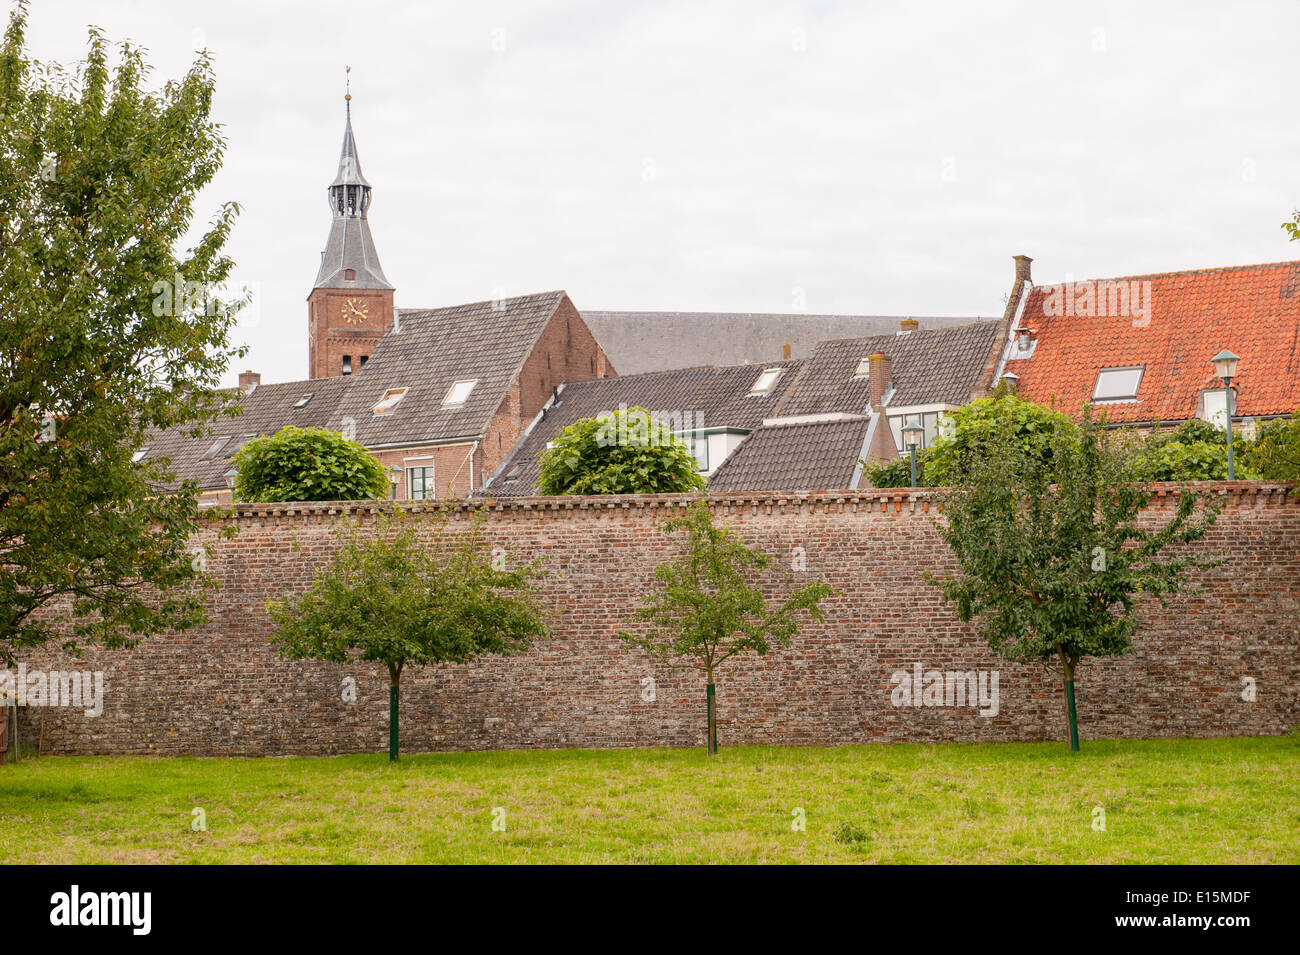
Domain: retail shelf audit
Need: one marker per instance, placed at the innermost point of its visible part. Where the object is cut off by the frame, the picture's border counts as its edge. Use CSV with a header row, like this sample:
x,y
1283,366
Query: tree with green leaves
x,y
898,472
974,430
1275,452
623,452
707,608
109,333
1054,551
307,464
392,599
1194,451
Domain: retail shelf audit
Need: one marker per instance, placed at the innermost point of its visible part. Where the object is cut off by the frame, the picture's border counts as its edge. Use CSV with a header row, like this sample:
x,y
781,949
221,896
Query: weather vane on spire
x,y
347,84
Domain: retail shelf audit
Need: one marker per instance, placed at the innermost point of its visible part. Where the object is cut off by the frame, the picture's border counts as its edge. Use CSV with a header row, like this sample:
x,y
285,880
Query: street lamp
x,y
230,478
911,440
1225,366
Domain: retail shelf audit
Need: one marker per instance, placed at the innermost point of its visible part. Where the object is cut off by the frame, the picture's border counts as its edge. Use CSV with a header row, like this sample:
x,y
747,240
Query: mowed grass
x,y
1165,801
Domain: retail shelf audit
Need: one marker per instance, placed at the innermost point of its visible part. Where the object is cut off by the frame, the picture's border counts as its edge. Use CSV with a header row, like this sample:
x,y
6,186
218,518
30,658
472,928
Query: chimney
x,y
248,380
880,368
1022,268
785,352
909,325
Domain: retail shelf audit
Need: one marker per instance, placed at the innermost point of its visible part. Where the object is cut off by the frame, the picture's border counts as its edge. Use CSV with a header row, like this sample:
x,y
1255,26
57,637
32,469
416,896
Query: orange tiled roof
x,y
1175,323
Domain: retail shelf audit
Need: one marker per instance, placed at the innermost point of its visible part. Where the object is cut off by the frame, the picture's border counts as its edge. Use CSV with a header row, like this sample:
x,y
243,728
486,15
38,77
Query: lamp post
x,y
1225,366
911,440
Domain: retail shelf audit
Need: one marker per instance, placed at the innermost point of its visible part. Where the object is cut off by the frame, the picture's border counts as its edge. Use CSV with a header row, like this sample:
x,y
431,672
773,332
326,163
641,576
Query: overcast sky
x,y
857,158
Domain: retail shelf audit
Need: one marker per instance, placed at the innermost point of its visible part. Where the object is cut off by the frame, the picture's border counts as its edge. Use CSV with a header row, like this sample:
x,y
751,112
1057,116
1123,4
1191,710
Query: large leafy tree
x,y
623,452
1275,453
307,464
707,607
973,431
389,598
107,332
1054,551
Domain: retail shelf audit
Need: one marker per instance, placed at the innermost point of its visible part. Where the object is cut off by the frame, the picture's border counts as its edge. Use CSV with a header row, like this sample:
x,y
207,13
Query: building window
x,y
699,445
930,421
347,364
1214,407
1117,384
419,483
362,361
139,455
391,397
766,382
215,450
350,275
459,393
302,402
864,369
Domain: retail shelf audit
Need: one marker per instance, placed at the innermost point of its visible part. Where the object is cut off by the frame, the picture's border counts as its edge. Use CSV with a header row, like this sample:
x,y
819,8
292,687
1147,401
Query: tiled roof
x,y
705,397
795,456
638,342
485,342
268,409
1252,310
929,366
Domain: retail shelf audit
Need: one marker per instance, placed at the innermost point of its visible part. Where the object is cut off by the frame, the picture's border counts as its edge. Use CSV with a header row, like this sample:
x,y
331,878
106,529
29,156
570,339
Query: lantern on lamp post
x,y
1225,366
912,440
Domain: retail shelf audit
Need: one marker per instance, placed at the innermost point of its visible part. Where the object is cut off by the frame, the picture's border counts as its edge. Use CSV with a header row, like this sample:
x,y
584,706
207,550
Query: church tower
x,y
351,302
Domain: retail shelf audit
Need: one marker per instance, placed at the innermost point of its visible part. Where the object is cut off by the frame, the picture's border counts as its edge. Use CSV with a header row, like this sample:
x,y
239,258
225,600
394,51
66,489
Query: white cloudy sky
x,y
884,158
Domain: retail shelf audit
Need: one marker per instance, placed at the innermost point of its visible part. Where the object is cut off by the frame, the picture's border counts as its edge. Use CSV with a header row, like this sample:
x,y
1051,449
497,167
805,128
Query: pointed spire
x,y
349,173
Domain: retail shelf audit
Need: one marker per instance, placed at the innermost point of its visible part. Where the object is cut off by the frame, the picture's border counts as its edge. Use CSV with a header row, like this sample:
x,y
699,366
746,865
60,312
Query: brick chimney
x,y
909,325
785,352
248,380
879,368
1022,268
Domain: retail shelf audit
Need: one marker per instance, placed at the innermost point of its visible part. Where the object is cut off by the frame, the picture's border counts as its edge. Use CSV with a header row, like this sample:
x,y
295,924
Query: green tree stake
x,y
392,720
713,720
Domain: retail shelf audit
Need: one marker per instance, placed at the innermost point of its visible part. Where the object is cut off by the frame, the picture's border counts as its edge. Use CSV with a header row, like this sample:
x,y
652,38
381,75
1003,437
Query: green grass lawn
x,y
1224,800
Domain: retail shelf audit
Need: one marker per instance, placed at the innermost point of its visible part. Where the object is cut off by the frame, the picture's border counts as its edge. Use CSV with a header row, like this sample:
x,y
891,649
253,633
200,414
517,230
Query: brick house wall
x,y
330,334
220,689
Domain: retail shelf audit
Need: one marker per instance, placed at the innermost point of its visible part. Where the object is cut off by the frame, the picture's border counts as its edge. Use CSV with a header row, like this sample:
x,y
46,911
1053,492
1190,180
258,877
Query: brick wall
x,y
220,690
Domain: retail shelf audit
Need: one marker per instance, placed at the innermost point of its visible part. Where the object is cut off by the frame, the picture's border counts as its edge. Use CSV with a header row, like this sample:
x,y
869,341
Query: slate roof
x,y
705,397
1252,310
929,366
268,409
432,349
795,456
638,342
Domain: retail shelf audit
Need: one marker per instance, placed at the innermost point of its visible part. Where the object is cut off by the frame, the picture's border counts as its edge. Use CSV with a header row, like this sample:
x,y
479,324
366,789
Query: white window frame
x,y
771,376
469,384
391,397
1097,398
863,371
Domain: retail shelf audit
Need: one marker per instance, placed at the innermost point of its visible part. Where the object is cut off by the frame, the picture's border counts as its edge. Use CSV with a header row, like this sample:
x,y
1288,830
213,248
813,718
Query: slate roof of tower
x,y
638,342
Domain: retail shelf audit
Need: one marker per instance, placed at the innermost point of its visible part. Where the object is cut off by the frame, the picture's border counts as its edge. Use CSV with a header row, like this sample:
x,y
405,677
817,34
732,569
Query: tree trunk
x,y
713,717
1072,715
395,678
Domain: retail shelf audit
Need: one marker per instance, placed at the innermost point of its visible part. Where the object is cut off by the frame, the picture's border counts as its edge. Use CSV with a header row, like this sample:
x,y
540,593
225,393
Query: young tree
x,y
307,464
1054,550
974,430
705,610
108,332
624,452
390,599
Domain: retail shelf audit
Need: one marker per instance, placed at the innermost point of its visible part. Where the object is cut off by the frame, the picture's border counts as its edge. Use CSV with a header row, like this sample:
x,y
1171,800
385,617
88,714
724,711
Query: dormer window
x,y
391,397
863,370
459,393
349,275
1117,384
766,382
302,402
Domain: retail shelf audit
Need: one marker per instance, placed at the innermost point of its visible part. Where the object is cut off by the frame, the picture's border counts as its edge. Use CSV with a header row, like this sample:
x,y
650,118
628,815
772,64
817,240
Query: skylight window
x,y
863,369
459,393
766,381
302,402
139,455
1117,384
215,450
391,397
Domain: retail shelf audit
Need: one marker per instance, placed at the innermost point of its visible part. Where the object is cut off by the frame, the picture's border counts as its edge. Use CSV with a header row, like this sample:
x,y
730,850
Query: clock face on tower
x,y
356,311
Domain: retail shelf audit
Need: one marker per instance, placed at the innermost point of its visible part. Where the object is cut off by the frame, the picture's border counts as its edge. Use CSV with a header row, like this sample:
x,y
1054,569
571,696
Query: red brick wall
x,y
331,335
221,690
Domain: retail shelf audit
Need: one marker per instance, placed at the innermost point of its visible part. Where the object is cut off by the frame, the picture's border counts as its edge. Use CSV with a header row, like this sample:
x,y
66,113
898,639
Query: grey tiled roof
x,y
929,366
637,342
803,456
431,350
268,409
707,397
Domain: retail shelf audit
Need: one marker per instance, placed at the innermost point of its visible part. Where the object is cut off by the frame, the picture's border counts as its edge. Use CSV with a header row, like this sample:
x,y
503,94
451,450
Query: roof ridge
x,y
486,301
1155,275
782,362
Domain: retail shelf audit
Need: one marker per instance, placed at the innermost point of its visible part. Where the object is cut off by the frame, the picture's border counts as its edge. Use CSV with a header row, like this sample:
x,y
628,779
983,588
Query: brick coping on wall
x,y
1235,493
